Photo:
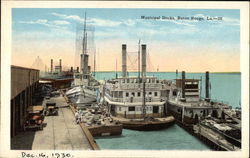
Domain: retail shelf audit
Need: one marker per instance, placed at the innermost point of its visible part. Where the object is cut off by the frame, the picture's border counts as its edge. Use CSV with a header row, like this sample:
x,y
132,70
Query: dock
x,y
86,131
61,132
109,129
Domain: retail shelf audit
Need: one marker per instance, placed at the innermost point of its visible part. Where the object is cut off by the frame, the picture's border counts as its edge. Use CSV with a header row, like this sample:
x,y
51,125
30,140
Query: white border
x,y
6,60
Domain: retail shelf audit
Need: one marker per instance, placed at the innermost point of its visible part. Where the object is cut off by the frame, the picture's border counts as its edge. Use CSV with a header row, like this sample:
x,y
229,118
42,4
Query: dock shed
x,y
24,82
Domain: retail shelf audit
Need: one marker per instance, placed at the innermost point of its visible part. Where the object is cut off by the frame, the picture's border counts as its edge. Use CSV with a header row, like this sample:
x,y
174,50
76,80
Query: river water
x,y
225,87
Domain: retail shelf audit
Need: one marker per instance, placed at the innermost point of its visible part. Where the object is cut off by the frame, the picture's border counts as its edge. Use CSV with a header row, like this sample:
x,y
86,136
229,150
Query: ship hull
x,y
109,130
188,122
148,125
82,96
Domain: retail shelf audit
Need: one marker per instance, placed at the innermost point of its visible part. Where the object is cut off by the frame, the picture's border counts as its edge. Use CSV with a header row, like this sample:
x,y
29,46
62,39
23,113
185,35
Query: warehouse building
x,y
24,82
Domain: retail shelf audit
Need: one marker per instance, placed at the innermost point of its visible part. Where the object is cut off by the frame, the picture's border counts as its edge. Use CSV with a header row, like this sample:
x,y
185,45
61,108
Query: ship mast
x,y
116,68
94,62
144,100
84,36
143,83
139,59
84,47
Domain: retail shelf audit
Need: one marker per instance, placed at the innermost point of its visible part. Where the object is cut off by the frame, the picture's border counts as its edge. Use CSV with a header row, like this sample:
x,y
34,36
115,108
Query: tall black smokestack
x,y
183,97
60,64
51,65
124,60
207,87
143,60
85,63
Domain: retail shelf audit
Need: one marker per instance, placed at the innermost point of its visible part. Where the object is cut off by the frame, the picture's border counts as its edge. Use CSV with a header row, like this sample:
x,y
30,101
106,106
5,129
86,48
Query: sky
x,y
190,45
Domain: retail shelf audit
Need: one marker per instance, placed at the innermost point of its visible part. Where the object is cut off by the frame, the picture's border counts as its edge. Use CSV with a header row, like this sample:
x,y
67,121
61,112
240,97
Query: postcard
x,y
124,79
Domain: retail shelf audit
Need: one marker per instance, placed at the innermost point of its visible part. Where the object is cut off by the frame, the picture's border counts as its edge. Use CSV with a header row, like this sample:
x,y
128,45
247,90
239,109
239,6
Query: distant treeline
x,y
175,72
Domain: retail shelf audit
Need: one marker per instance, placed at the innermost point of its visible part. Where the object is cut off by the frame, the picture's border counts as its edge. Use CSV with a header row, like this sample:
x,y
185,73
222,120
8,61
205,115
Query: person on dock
x,y
77,117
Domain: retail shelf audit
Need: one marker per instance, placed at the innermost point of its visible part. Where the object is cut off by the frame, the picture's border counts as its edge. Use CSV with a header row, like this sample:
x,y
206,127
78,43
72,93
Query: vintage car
x,y
51,108
35,118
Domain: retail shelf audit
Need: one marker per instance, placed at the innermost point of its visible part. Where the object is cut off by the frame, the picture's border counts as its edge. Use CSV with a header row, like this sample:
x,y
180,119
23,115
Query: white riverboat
x,y
85,89
138,102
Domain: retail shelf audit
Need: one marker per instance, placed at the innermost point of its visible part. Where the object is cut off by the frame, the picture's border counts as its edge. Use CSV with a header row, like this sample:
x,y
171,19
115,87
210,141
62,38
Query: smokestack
x,y
60,64
207,87
124,60
183,87
85,63
143,58
77,69
51,65
89,69
71,69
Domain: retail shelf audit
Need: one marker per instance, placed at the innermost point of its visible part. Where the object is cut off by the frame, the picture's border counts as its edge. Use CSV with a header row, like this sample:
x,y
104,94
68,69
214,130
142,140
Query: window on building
x,y
132,108
150,93
156,94
133,94
120,94
123,80
127,80
127,94
140,80
174,93
139,94
155,109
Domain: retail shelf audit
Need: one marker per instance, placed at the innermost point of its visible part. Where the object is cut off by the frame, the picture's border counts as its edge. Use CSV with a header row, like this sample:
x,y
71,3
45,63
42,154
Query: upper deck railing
x,y
134,99
136,86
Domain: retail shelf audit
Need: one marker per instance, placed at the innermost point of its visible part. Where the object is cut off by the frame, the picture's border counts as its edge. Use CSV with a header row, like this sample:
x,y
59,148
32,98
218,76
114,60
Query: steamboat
x,y
139,103
85,89
84,98
193,112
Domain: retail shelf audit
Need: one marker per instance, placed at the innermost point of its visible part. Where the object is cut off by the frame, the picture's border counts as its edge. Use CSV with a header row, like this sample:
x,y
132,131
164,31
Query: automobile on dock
x,y
51,108
35,118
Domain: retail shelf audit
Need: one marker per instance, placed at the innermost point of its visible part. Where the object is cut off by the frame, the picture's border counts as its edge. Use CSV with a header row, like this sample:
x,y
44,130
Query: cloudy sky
x,y
189,45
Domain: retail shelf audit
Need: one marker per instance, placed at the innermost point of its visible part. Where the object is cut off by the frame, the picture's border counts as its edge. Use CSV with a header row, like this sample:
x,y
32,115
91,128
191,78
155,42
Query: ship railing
x,y
133,99
217,101
114,99
136,86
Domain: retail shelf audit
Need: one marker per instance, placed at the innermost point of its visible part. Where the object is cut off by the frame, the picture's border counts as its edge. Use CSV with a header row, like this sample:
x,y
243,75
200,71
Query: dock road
x,y
61,132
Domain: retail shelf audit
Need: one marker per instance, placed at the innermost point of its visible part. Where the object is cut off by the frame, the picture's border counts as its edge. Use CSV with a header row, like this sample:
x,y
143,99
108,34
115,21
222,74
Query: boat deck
x,y
168,118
